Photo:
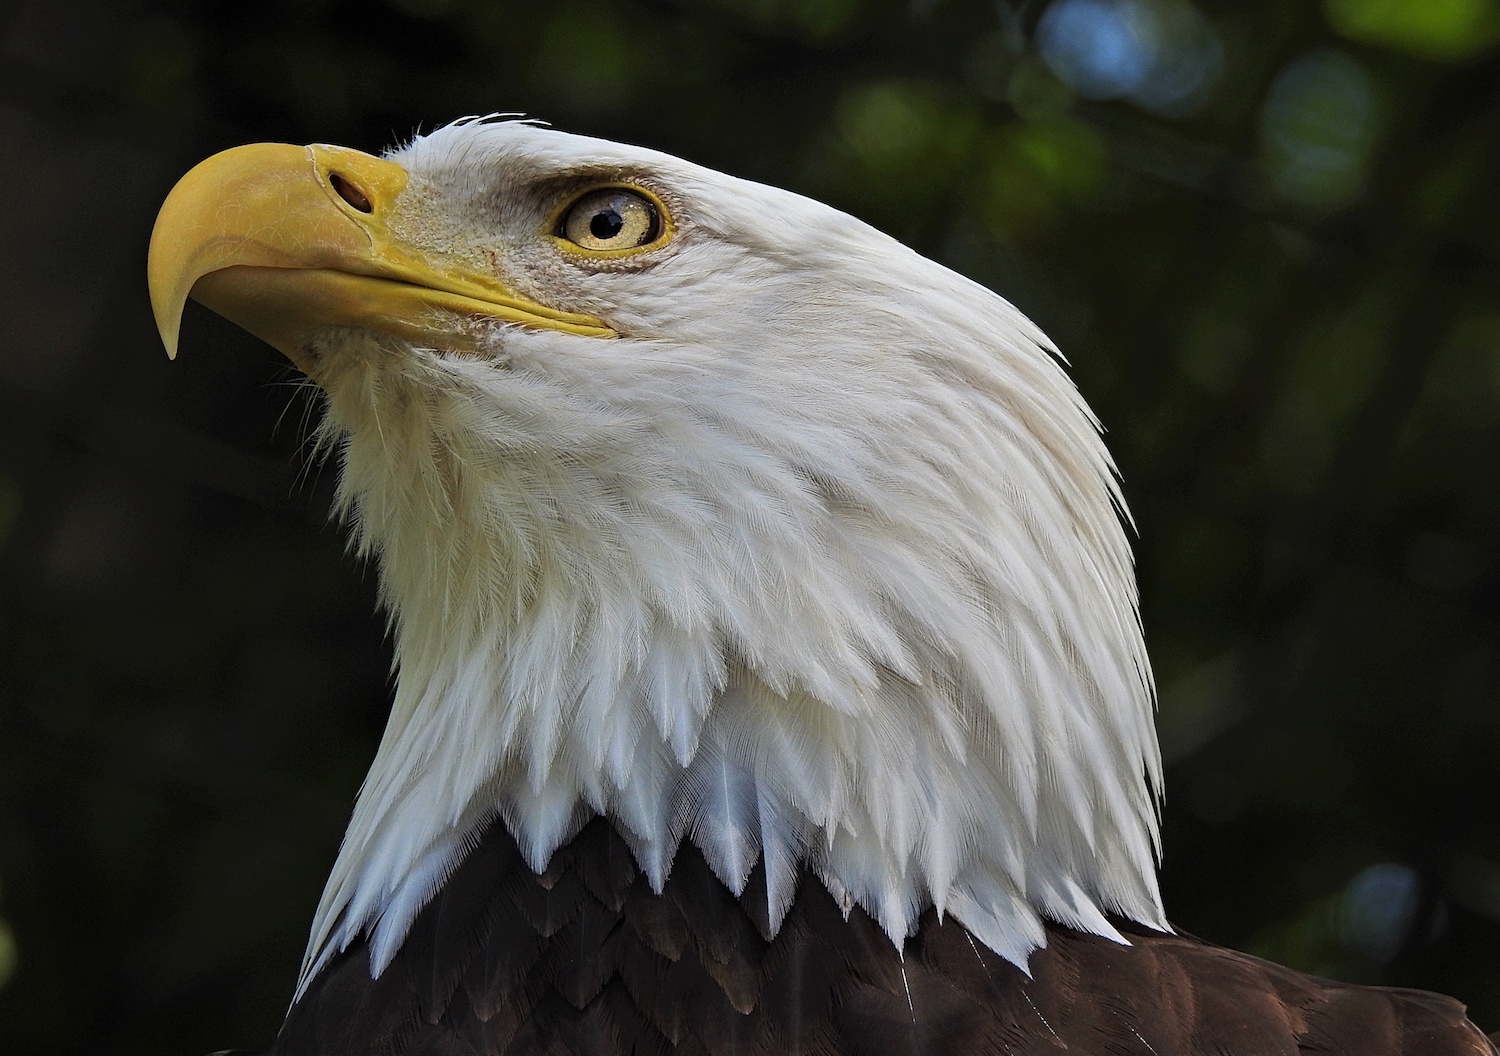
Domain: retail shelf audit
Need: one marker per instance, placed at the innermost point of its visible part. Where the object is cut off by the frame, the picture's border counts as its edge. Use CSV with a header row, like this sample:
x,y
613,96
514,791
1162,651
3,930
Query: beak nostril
x,y
350,193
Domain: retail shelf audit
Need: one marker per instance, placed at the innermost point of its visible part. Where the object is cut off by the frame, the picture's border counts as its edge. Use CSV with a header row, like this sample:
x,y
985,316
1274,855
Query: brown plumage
x,y
585,959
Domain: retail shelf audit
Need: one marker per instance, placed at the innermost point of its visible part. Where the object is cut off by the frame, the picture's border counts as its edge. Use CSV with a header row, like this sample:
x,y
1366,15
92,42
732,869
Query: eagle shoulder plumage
x,y
770,672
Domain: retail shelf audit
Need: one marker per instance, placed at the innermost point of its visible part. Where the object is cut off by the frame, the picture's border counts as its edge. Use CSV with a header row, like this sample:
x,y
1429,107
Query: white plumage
x,y
821,560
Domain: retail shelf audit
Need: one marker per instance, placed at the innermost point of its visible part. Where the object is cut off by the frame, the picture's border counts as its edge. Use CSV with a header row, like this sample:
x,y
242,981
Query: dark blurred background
x,y
1265,234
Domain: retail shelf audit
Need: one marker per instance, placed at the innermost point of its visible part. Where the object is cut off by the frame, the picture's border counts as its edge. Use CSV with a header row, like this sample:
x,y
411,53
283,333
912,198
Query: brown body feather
x,y
586,959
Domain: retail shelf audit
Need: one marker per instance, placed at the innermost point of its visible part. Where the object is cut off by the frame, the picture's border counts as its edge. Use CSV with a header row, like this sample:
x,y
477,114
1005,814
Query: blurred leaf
x,y
1435,29
906,128
1308,941
1069,155
1036,170
902,146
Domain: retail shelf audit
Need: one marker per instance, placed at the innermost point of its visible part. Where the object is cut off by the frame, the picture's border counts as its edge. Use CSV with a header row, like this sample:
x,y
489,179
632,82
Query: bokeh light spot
x,y
1094,47
1319,126
1377,909
1160,54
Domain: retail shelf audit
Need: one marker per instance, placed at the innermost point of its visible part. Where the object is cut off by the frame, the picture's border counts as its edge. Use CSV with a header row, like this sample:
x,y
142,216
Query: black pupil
x,y
606,224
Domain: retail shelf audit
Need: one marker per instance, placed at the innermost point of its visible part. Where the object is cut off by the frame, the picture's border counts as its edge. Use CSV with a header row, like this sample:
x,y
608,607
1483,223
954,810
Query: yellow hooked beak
x,y
287,240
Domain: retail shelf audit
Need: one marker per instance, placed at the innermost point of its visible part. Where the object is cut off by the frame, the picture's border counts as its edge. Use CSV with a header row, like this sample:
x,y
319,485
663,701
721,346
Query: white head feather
x,y
822,561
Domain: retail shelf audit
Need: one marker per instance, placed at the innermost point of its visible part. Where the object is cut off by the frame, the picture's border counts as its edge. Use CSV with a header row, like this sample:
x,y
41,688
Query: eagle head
x,y
705,507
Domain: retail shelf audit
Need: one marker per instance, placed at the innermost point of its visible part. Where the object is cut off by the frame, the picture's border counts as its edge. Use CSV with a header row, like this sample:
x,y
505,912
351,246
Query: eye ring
x,y
612,221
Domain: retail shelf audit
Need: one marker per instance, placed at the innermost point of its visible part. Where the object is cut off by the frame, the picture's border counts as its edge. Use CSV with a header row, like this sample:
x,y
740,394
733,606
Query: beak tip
x,y
167,298
167,312
170,329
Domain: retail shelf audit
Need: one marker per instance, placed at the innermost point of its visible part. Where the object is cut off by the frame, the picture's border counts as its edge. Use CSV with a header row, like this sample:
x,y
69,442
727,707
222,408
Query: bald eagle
x,y
771,678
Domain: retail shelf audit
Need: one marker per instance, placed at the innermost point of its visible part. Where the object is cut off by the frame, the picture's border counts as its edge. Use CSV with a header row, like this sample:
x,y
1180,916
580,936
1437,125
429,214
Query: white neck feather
x,y
868,607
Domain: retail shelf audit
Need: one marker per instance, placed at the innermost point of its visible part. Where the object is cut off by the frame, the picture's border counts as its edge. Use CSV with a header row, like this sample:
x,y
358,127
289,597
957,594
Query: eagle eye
x,y
611,218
